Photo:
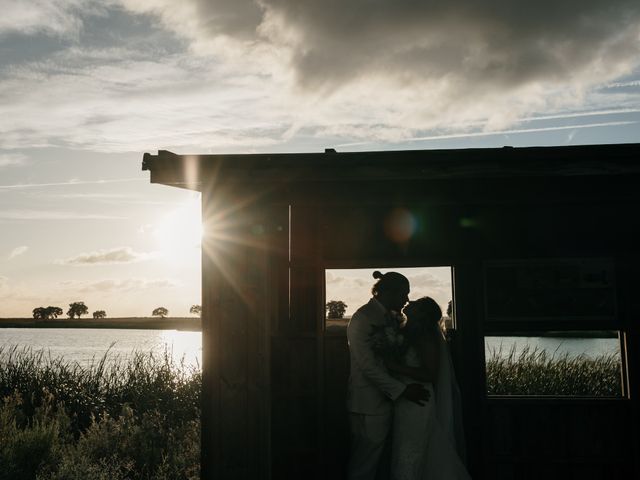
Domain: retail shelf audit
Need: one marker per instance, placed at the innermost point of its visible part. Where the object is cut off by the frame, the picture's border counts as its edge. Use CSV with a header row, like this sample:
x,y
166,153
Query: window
x,y
551,328
555,363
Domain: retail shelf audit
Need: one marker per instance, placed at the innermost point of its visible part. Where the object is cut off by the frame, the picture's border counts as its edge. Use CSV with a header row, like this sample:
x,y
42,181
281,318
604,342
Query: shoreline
x,y
190,324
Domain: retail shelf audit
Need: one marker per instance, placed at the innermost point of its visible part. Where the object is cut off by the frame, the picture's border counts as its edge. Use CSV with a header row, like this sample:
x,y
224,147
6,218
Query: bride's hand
x,y
416,393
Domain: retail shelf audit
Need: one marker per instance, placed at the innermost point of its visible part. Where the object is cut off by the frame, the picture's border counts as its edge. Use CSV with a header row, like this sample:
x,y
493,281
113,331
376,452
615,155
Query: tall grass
x,y
535,372
136,418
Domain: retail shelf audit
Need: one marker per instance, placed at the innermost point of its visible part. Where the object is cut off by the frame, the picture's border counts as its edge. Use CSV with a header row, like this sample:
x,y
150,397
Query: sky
x,y
88,86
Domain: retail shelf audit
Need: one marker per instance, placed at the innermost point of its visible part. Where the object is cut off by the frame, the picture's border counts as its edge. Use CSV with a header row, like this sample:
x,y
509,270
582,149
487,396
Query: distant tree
x,y
447,321
336,308
77,308
160,312
53,312
45,313
99,314
195,309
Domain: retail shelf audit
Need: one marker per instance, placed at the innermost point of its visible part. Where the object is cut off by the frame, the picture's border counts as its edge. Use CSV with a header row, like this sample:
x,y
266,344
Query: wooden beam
x,y
198,171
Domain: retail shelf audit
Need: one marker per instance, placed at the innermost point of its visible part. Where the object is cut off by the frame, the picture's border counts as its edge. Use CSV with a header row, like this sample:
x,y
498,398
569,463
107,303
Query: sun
x,y
178,233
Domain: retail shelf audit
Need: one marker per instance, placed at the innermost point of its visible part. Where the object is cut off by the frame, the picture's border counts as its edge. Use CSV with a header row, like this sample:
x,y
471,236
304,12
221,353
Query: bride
x,y
428,440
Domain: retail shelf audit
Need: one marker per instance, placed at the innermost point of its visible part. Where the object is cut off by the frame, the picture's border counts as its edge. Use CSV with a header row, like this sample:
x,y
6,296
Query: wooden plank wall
x,y
570,440
516,438
276,384
507,438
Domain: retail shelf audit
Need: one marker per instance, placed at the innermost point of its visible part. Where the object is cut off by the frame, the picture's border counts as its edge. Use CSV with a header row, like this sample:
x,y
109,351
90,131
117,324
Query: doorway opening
x,y
346,290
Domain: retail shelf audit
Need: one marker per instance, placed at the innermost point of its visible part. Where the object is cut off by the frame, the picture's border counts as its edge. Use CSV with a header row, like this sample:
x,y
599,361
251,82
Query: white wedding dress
x,y
428,441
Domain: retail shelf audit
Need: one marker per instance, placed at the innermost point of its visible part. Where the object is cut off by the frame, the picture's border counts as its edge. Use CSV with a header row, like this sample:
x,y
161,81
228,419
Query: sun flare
x,y
178,234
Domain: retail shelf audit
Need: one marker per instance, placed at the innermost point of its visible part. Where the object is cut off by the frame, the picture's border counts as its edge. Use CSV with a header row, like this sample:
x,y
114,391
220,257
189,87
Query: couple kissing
x,y
402,389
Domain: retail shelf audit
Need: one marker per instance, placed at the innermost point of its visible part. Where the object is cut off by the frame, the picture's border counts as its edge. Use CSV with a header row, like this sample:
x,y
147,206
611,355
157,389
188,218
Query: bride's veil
x,y
448,399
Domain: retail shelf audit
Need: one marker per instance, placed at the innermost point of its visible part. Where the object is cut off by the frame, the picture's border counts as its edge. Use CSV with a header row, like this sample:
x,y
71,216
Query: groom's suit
x,y
372,391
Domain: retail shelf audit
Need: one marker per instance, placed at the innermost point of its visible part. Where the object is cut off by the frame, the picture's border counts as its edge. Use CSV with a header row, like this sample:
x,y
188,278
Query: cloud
x,y
92,196
631,84
146,228
21,186
12,159
573,128
12,291
125,100
426,281
248,75
53,215
16,252
104,198
51,17
118,285
428,62
106,257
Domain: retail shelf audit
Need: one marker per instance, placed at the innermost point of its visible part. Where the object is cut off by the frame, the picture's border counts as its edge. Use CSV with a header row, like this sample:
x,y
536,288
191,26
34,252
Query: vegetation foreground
x,y
132,419
139,418
535,372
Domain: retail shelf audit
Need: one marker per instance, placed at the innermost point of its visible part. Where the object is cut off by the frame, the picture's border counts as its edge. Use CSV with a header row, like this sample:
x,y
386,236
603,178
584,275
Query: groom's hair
x,y
388,281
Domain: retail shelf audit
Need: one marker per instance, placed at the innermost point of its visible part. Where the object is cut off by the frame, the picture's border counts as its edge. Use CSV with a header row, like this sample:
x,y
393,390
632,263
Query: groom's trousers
x,y
368,437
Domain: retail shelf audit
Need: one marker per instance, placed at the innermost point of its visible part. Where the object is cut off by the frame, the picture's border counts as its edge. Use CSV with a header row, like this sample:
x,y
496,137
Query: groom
x,y
372,390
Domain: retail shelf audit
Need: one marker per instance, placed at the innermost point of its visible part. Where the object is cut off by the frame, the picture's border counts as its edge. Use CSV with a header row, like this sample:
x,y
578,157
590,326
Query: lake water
x,y
84,345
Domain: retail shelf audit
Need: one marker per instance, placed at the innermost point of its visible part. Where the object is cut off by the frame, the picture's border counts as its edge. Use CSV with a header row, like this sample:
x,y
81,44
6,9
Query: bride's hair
x,y
388,281
427,316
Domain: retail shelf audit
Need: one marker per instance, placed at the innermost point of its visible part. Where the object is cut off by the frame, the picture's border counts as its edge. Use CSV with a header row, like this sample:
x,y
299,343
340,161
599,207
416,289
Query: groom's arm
x,y
416,373
358,333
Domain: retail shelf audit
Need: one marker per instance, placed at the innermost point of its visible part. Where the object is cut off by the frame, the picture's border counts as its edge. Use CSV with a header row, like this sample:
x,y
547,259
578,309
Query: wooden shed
x,y
540,240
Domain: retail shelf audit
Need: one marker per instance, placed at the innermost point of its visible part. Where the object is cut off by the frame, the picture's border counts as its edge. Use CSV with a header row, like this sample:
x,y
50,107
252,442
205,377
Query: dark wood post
x,y
470,341
237,296
296,357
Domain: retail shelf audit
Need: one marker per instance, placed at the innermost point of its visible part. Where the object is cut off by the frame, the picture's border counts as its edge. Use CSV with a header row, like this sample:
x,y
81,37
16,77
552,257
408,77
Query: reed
x,y
136,417
533,371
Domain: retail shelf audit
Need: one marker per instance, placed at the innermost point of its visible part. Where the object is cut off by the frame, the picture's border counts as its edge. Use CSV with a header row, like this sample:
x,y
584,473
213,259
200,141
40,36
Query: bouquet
x,y
388,342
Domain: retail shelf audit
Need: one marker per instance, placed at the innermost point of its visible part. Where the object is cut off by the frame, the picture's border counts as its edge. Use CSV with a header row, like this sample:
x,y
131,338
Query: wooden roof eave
x,y
299,169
